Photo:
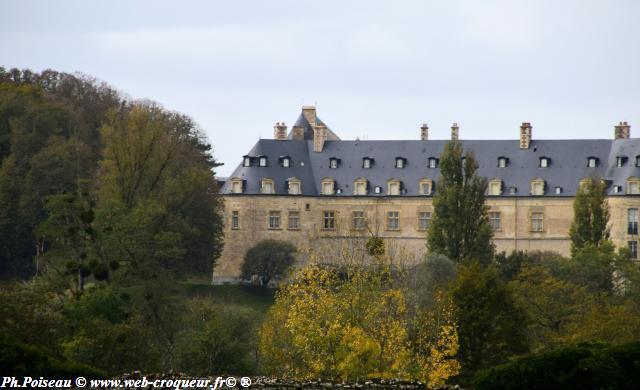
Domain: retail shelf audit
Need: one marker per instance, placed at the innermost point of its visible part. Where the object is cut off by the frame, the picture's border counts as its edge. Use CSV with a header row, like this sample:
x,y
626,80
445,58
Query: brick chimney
x,y
525,135
319,136
424,132
455,132
280,131
622,131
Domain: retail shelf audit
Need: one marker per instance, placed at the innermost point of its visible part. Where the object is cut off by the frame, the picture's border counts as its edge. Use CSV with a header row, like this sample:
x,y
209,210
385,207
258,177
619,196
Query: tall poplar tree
x,y
590,215
460,227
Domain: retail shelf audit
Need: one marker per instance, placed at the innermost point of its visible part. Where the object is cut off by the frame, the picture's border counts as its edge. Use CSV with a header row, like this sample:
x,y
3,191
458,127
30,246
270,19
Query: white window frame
x,y
262,161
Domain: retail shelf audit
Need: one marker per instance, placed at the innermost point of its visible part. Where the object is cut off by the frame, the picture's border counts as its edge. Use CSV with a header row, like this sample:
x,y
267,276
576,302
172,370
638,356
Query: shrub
x,y
573,367
21,360
268,259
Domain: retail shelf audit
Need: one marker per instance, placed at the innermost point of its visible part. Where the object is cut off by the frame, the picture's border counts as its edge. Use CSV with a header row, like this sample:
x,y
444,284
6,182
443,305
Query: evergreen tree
x,y
460,228
590,215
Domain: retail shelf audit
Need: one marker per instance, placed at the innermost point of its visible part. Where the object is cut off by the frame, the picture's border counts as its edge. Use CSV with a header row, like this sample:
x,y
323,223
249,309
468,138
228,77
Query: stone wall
x,y
515,219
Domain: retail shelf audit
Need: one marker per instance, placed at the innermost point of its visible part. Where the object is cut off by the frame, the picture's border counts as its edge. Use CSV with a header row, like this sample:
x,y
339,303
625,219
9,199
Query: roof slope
x,y
568,164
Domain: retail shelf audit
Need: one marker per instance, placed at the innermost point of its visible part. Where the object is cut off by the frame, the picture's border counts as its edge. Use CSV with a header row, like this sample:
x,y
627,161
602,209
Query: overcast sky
x,y
375,70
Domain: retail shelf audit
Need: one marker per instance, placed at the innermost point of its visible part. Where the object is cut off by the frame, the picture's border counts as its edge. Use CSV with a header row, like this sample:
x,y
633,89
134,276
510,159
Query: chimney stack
x,y
280,131
424,132
455,132
309,113
319,137
525,135
622,131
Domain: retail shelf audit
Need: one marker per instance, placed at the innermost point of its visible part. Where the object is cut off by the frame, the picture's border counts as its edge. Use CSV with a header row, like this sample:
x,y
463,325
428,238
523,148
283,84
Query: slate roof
x,y
308,129
568,164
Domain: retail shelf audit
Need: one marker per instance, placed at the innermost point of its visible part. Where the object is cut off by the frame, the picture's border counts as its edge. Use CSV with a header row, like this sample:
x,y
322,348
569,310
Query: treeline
x,y
106,206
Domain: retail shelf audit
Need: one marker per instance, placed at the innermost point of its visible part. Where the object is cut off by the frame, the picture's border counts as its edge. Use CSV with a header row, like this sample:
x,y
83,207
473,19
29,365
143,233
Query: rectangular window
x,y
494,221
236,187
267,187
424,217
294,219
537,221
394,188
327,188
274,219
329,220
294,188
358,220
235,219
425,187
633,248
495,188
634,187
361,188
393,220
632,221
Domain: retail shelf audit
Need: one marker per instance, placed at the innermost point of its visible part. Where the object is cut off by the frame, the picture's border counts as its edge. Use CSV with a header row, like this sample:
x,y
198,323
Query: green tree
x,y
268,259
590,215
490,323
460,227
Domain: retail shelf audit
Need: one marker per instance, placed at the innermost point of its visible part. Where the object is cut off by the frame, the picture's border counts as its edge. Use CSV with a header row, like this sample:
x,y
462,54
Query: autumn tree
x,y
460,226
354,327
590,215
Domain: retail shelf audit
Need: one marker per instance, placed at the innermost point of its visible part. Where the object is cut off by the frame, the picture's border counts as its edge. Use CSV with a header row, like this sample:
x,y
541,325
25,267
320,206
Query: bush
x,y
268,260
573,367
22,360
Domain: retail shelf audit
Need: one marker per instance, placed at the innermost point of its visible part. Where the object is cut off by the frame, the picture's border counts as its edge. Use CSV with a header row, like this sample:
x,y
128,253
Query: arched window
x,y
537,187
236,185
495,187
360,186
328,186
393,187
295,186
426,187
267,186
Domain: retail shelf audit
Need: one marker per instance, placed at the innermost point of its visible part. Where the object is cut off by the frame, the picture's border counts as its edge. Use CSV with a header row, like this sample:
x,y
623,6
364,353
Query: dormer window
x,y
285,161
334,163
236,185
620,161
537,187
513,190
400,162
328,186
633,186
637,161
262,161
592,162
502,162
617,189
426,187
267,187
393,187
367,162
378,190
432,163
246,161
360,186
558,190
495,187
295,186
544,162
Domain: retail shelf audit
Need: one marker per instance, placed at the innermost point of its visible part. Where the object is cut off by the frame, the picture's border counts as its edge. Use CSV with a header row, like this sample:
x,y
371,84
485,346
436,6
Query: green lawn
x,y
254,297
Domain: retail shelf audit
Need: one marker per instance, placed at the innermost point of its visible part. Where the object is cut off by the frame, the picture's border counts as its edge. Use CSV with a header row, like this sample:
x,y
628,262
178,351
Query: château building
x,y
307,182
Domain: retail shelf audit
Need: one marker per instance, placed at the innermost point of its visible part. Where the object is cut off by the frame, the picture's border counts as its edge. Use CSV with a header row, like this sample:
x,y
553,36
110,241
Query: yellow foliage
x,y
353,328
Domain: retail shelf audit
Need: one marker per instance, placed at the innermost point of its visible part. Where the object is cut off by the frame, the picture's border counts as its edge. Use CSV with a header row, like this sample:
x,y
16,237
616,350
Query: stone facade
x,y
516,230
